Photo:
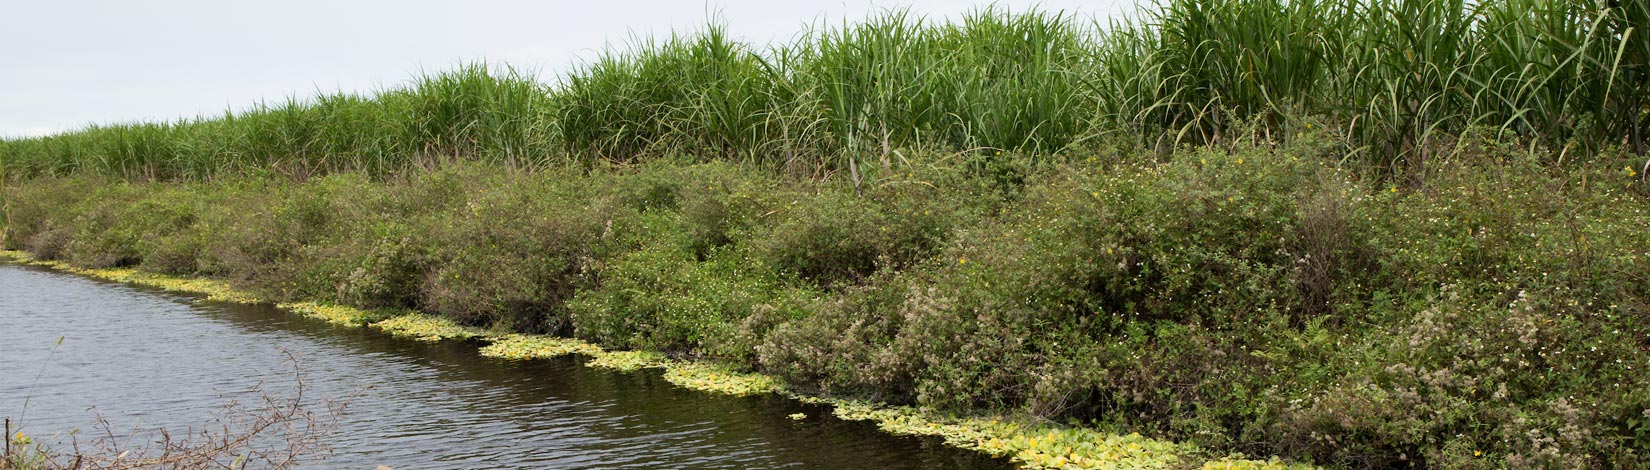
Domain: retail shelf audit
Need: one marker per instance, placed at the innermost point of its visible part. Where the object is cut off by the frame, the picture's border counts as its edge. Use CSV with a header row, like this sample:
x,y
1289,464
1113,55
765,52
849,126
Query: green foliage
x,y
1539,381
389,269
700,93
835,237
1092,267
471,113
841,345
1253,298
1396,81
1410,231
518,274
31,223
661,298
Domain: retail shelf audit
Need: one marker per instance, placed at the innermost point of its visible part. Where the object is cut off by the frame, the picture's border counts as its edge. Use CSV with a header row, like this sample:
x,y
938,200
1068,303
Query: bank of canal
x,y
153,359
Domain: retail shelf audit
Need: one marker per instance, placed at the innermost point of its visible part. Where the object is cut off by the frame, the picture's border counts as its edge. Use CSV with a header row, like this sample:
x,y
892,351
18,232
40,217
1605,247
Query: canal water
x,y
146,359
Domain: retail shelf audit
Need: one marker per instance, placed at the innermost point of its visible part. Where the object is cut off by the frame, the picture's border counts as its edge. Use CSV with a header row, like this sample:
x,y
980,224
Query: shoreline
x,y
1027,445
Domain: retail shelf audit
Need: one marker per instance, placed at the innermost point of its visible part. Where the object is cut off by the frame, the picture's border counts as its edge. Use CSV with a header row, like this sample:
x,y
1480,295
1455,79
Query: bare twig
x,y
277,434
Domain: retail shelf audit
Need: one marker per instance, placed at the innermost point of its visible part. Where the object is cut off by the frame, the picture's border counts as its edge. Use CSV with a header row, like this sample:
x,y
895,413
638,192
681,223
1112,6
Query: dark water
x,y
149,359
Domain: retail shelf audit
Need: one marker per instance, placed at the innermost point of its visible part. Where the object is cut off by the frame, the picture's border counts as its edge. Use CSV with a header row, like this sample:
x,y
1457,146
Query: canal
x,y
146,359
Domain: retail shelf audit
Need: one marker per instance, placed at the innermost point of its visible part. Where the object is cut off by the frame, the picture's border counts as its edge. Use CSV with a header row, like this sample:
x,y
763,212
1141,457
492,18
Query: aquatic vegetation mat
x,y
214,290
1037,446
627,361
338,314
520,347
425,327
719,379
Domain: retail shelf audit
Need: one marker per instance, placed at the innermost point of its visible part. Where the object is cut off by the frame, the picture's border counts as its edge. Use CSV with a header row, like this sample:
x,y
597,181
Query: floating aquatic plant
x,y
719,379
213,289
1036,446
627,361
519,347
427,328
335,314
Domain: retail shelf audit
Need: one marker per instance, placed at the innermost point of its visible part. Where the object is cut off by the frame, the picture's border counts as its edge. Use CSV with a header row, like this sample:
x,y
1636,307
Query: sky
x,y
67,64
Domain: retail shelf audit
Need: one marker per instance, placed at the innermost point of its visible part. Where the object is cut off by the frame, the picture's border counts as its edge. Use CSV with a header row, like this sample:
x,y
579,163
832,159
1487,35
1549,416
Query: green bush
x,y
1544,381
661,298
513,257
390,264
260,237
715,200
100,236
35,214
834,236
841,345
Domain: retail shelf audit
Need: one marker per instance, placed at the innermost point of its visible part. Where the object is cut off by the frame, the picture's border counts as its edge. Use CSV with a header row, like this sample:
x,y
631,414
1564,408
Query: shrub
x,y
1545,381
512,258
841,345
1146,274
108,234
834,237
715,200
263,237
34,212
389,264
660,297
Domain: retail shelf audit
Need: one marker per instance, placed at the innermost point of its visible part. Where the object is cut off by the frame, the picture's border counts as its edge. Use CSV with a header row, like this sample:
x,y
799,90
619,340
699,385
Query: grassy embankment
x,y
1363,234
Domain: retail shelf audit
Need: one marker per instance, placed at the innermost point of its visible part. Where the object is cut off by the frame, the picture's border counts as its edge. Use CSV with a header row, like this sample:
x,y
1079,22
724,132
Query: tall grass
x,y
472,113
705,92
1399,80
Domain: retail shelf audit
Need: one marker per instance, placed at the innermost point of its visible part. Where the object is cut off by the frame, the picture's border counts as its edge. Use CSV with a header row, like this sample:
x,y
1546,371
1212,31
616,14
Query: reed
x,y
1397,80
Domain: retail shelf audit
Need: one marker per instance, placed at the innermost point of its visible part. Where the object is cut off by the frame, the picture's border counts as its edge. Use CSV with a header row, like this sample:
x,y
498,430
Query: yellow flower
x,y
963,260
1477,453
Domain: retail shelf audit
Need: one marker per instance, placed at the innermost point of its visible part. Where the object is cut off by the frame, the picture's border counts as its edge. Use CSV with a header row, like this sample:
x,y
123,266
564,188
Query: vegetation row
x,y
1396,81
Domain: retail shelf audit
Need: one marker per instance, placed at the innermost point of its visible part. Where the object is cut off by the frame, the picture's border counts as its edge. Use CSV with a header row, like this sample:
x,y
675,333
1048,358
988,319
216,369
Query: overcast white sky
x,y
65,64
